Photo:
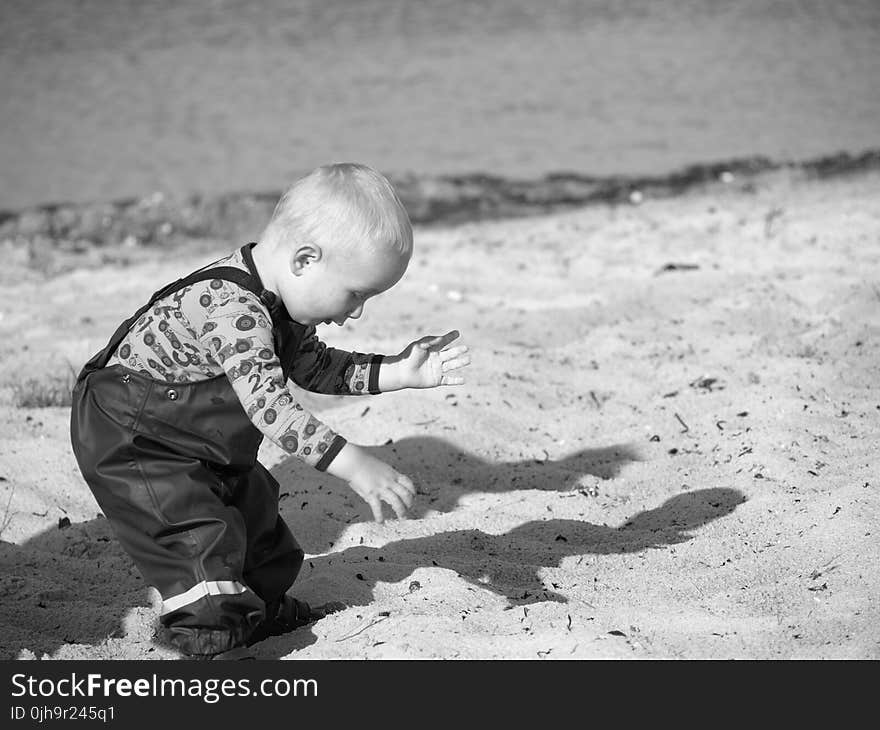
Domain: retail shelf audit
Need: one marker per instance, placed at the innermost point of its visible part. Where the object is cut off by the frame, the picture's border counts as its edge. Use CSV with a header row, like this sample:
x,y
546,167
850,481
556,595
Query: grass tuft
x,y
49,390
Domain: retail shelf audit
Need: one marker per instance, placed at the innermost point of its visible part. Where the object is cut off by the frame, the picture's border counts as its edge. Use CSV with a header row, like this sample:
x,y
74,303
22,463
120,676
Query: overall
x,y
174,468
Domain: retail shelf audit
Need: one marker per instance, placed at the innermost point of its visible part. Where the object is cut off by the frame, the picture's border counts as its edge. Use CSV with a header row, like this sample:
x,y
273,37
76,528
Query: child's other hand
x,y
429,361
374,481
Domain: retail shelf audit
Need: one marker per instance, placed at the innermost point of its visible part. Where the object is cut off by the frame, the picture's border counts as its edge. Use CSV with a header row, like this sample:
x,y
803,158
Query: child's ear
x,y
303,257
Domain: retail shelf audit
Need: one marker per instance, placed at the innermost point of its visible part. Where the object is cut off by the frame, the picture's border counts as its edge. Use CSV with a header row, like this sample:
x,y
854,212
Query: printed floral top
x,y
216,326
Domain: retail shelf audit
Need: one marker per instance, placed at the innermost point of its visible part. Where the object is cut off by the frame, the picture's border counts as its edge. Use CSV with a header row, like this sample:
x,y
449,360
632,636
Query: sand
x,y
665,447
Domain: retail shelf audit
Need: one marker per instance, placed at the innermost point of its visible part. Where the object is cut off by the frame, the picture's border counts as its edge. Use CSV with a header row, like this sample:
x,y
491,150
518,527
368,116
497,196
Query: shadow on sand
x,y
508,564
66,586
82,572
318,508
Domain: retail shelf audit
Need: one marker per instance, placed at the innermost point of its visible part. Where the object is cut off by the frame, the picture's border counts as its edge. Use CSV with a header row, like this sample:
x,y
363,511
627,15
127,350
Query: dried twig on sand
x,y
7,515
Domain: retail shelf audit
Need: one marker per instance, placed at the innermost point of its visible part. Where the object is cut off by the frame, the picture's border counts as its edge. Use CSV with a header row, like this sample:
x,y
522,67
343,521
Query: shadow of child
x,y
318,508
510,564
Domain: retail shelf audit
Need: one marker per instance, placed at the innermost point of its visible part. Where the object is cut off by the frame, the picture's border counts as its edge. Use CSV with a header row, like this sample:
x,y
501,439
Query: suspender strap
x,y
227,273
247,280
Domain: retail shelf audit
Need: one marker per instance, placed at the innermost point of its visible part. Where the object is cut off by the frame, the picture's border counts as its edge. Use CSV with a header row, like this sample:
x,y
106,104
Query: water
x,y
105,99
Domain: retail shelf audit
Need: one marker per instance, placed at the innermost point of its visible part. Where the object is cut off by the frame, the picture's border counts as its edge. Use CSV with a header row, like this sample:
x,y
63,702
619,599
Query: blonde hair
x,y
340,207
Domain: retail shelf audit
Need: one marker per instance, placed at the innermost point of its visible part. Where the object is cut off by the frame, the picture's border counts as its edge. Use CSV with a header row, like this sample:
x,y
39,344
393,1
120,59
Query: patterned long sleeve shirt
x,y
214,327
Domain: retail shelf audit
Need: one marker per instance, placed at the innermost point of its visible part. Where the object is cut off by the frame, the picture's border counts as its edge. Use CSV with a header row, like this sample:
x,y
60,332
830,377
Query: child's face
x,y
335,287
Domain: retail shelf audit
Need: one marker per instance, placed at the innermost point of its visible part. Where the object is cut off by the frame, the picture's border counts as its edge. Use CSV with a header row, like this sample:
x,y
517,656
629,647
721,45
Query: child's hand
x,y
373,480
425,363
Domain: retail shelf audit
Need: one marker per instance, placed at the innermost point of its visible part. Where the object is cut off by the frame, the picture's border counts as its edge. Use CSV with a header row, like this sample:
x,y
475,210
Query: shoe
x,y
239,653
289,614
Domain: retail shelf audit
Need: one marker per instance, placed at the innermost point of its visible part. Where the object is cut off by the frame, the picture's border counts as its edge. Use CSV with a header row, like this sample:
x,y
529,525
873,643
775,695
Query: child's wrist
x,y
390,377
344,464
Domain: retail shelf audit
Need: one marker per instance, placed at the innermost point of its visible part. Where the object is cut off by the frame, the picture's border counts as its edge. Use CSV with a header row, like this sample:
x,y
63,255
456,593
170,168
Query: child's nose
x,y
356,313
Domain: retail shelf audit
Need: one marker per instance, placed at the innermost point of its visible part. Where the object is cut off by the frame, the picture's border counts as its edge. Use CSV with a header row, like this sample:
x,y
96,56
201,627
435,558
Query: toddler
x,y
167,419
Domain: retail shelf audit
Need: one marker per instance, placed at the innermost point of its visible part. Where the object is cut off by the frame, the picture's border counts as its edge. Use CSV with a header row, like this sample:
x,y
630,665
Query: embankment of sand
x,y
53,237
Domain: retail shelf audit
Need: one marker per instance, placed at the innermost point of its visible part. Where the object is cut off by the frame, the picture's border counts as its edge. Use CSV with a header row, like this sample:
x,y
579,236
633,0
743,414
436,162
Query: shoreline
x,y
42,233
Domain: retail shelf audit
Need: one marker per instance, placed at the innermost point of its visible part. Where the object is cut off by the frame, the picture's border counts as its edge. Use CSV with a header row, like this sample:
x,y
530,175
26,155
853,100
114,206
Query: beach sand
x,y
665,447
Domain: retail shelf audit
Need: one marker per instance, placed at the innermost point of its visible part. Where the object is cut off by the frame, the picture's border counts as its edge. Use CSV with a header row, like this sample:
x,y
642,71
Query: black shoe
x,y
289,614
237,654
